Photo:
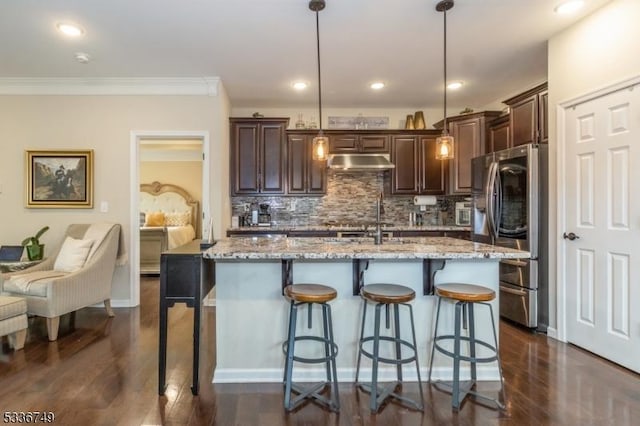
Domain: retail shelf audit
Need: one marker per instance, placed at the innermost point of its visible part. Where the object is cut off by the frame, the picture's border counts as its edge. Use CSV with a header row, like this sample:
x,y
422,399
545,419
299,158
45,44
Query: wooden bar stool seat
x,y
307,294
310,293
388,296
465,292
465,296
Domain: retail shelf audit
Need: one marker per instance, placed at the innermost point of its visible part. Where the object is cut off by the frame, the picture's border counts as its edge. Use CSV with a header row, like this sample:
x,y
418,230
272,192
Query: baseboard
x,y
345,375
552,332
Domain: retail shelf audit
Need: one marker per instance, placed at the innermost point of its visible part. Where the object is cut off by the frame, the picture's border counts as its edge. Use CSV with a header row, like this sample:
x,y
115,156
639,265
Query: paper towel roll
x,y
424,200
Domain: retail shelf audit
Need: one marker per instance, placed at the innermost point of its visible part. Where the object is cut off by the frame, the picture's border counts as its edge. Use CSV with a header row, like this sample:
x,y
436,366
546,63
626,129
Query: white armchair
x,y
59,294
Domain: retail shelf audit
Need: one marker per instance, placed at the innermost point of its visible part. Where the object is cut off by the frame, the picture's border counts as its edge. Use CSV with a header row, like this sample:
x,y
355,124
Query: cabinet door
x,y
523,121
543,117
374,143
296,164
343,144
499,137
272,166
316,172
468,143
244,157
304,175
404,154
432,172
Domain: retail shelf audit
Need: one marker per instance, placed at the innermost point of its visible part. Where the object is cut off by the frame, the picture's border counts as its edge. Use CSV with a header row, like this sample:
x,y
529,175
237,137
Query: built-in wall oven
x,y
509,209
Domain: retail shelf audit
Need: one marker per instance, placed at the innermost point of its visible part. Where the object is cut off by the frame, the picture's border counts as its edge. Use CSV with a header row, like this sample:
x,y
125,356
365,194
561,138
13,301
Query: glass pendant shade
x,y
320,148
444,147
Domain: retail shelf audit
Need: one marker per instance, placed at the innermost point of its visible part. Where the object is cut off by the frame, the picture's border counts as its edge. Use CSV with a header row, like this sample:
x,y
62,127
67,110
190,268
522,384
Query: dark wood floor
x,y
103,371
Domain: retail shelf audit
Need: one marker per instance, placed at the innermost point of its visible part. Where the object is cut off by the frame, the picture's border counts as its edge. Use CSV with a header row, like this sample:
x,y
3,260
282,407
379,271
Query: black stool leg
x,y
364,316
396,319
455,396
435,336
472,343
415,347
495,341
291,340
374,362
333,378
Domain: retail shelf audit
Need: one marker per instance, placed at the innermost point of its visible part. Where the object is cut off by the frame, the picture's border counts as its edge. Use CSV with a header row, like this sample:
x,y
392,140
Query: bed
x,y
169,218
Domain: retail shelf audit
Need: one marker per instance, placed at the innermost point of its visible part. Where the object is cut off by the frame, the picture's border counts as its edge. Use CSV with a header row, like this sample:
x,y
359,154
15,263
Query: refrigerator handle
x,y
490,198
498,201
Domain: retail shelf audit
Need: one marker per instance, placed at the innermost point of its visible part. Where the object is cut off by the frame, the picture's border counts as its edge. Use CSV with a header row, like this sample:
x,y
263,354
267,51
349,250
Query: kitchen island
x,y
251,313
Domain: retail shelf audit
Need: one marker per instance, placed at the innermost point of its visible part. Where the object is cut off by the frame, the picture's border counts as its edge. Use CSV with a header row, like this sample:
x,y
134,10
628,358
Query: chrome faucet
x,y
377,236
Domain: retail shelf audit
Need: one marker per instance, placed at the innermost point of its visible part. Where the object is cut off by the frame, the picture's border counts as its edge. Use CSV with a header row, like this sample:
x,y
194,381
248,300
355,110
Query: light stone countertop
x,y
280,247
311,228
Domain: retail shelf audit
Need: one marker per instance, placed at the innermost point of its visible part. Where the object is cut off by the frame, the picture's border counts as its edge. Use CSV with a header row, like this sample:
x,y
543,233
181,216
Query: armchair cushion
x,y
72,255
32,283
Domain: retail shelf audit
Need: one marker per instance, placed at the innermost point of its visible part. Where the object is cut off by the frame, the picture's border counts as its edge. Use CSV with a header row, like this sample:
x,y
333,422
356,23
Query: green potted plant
x,y
35,250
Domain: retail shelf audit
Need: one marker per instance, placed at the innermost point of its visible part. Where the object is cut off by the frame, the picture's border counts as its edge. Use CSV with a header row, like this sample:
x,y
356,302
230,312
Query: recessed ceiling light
x,y
70,30
300,85
455,85
83,58
569,7
377,85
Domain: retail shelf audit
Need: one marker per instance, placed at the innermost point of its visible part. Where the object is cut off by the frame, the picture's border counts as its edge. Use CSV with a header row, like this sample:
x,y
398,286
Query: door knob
x,y
570,236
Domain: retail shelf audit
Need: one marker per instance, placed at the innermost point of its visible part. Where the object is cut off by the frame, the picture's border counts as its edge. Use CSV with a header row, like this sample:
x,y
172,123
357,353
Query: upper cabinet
x,y
529,114
343,143
499,134
417,171
470,133
305,176
258,155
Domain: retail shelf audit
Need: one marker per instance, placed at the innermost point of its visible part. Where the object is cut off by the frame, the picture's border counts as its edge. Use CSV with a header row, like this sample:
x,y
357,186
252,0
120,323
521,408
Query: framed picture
x,y
59,179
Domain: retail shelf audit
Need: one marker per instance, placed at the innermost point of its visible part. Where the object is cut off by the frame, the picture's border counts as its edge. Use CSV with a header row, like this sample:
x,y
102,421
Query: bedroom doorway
x,y
172,163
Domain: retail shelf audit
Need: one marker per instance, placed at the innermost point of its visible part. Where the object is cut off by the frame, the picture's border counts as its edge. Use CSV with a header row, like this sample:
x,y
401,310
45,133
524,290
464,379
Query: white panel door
x,y
602,190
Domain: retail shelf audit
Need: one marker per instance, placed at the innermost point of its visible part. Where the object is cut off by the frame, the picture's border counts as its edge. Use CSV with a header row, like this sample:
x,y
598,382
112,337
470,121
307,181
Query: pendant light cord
x,y
446,129
319,77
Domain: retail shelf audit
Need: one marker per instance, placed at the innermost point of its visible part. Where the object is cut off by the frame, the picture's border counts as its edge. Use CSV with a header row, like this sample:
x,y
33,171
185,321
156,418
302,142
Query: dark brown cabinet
x,y
470,133
258,156
417,171
529,115
304,175
499,134
362,143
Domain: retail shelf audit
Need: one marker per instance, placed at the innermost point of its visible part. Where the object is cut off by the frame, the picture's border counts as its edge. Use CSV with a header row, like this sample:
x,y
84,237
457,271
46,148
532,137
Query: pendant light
x,y
444,143
320,142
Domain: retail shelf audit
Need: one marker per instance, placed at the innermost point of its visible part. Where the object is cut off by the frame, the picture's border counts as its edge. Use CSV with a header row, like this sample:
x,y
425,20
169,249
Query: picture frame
x,y
59,179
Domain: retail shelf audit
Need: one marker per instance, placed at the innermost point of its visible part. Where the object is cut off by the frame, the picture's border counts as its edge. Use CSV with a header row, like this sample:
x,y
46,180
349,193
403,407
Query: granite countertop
x,y
280,247
312,228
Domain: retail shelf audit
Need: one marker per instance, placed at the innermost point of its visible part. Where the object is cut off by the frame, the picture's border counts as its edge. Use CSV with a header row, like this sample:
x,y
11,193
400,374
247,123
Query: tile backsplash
x,y
350,197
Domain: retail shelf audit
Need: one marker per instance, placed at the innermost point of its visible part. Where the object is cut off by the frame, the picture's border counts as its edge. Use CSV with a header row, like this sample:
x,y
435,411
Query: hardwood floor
x,y
103,371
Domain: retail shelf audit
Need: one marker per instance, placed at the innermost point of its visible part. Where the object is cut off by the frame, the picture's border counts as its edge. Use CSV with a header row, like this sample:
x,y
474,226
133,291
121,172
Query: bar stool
x,y
387,295
465,296
309,294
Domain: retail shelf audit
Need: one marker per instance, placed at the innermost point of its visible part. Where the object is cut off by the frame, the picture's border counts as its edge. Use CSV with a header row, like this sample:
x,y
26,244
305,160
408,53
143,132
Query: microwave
x,y
463,213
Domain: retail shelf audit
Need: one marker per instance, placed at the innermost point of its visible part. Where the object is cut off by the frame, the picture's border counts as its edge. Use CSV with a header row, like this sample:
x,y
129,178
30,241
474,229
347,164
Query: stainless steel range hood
x,y
353,162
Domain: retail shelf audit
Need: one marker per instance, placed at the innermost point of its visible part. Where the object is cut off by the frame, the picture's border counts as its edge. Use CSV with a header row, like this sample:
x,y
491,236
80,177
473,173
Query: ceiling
x,y
259,47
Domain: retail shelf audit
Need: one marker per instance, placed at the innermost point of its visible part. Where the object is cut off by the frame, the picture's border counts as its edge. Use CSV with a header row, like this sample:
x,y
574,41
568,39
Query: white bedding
x,y
177,235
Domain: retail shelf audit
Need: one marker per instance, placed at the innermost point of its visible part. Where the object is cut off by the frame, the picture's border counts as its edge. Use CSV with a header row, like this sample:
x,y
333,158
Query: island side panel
x,y
251,316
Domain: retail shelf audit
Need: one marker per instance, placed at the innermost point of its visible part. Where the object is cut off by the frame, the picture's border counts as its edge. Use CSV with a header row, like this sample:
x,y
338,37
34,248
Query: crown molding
x,y
201,86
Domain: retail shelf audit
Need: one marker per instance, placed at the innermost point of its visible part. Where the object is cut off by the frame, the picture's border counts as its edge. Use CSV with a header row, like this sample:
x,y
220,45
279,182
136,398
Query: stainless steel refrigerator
x,y
510,199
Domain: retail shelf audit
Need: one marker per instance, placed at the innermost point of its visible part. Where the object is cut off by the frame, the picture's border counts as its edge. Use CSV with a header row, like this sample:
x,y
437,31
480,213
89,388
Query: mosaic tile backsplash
x,y
350,197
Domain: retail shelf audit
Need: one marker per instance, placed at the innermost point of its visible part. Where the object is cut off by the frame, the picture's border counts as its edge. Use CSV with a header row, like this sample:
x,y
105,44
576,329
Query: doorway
x,y
167,156
601,223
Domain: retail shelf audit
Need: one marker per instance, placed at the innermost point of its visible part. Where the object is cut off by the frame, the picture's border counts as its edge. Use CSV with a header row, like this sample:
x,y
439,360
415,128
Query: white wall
x,y
599,50
104,124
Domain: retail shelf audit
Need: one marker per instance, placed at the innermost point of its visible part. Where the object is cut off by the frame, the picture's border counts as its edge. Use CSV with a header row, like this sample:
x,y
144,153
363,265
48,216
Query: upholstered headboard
x,y
169,198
